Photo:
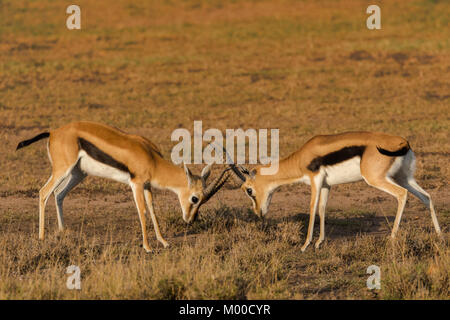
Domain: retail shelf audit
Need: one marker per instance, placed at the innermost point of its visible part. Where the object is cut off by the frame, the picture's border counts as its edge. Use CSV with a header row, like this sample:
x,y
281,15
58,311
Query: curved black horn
x,y
237,172
215,186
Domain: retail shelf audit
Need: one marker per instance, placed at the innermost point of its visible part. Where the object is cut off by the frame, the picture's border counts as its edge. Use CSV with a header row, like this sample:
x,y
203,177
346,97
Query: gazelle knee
x,y
42,194
403,194
59,198
43,197
427,202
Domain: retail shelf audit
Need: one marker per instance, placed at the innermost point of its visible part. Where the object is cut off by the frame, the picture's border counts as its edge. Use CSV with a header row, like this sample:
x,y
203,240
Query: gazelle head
x,y
255,187
198,191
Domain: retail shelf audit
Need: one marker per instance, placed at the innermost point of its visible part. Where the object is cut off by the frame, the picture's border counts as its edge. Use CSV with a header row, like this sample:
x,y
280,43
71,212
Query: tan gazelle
x,y
80,149
384,161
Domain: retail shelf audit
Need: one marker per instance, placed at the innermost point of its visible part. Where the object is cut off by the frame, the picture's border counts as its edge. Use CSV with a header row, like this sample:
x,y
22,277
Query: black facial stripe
x,y
101,156
336,157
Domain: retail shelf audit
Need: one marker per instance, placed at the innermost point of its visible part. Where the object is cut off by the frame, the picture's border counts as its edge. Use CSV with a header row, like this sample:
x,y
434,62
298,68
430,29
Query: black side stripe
x,y
101,156
336,157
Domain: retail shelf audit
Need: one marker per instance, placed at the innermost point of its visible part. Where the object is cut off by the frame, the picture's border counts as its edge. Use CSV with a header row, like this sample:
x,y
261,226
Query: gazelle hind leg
x,y
387,185
405,178
411,185
44,194
324,192
63,161
70,182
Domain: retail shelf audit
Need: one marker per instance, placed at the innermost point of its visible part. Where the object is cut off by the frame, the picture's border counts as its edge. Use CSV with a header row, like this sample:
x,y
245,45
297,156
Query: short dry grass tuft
x,y
236,258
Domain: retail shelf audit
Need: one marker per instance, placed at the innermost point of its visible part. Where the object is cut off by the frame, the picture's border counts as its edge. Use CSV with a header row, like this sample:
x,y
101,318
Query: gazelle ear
x,y
250,173
206,172
188,175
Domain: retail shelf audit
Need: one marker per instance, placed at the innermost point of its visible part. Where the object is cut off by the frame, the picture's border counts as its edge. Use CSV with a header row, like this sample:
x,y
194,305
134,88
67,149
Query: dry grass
x,y
305,67
232,256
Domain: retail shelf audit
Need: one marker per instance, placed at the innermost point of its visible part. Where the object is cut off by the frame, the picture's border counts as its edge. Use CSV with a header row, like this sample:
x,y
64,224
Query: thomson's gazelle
x,y
80,149
385,162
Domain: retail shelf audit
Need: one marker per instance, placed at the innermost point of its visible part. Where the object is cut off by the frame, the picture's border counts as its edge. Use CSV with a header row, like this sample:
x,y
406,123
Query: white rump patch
x,y
404,165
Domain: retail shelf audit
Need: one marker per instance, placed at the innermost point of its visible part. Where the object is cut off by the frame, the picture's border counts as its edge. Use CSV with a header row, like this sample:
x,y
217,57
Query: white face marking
x,y
265,206
251,198
95,168
192,196
343,172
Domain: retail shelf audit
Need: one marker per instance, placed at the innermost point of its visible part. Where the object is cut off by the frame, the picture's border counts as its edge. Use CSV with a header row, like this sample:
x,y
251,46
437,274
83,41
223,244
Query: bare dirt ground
x,y
352,210
305,67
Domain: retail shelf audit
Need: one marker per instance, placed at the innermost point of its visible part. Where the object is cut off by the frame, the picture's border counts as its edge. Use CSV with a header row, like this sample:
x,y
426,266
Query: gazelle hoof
x,y
304,247
165,244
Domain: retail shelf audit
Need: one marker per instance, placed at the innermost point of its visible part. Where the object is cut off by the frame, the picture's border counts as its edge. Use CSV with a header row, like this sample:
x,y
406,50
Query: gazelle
x,y
385,162
80,149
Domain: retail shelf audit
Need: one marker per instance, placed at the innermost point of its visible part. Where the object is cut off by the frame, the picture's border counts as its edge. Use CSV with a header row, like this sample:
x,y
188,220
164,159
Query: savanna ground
x,y
305,67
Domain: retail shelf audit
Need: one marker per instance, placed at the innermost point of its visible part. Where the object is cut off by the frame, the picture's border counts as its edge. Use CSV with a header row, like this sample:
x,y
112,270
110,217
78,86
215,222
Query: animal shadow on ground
x,y
342,224
221,219
338,224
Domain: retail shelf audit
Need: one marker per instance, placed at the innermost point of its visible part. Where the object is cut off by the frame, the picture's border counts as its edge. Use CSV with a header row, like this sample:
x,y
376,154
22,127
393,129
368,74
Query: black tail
x,y
32,140
398,153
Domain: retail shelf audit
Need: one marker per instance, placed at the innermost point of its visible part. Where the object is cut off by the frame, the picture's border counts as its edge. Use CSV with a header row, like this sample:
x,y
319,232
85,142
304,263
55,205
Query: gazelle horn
x,y
238,175
215,186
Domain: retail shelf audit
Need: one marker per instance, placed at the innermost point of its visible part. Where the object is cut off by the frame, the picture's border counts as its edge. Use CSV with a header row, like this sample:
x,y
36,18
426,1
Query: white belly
x,y
95,168
344,172
305,179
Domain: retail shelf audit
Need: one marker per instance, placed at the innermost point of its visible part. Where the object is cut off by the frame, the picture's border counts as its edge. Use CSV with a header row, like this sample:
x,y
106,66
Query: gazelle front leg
x,y
149,202
316,185
324,192
138,193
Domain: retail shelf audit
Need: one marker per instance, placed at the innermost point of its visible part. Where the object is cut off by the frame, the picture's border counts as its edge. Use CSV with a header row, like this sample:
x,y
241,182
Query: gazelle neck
x,y
288,172
168,176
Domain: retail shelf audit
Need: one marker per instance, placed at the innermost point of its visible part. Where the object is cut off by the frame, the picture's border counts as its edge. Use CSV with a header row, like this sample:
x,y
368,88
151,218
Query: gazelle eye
x,y
249,191
194,199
